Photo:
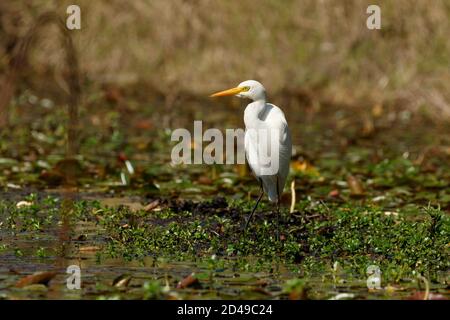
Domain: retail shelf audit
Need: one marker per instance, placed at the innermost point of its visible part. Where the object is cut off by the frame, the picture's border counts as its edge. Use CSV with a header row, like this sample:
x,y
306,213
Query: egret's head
x,y
250,89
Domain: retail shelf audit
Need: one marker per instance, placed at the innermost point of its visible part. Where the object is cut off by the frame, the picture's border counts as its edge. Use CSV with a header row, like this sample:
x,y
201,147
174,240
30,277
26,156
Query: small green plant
x,y
152,290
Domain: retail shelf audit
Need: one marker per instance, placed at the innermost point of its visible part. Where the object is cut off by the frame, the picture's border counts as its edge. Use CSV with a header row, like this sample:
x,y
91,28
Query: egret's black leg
x,y
278,210
256,205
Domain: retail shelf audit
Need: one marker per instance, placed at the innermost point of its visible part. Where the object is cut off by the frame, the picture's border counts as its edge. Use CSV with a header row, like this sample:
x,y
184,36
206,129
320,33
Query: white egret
x,y
267,137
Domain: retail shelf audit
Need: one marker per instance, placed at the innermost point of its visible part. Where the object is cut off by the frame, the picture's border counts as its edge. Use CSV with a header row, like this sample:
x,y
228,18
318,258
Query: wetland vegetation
x,y
86,179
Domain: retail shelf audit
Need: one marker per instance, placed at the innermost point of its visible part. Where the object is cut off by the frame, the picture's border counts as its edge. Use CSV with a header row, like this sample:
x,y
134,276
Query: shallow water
x,y
74,242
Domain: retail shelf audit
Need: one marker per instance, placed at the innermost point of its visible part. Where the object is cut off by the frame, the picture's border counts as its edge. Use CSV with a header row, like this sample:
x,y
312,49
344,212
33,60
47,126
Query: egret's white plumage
x,y
264,122
261,118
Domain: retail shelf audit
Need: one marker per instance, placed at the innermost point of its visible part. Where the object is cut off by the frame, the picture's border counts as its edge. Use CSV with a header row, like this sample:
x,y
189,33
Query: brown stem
x,y
16,67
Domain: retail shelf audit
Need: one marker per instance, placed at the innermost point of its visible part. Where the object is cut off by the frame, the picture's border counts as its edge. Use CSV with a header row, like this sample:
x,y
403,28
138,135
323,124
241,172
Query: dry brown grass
x,y
201,46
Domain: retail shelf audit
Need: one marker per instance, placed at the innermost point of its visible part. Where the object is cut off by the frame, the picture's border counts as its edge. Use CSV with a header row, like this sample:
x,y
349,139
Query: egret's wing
x,y
276,119
251,150
259,148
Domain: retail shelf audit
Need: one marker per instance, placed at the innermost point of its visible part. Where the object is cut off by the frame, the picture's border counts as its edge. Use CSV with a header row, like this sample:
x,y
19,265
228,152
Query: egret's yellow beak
x,y
229,92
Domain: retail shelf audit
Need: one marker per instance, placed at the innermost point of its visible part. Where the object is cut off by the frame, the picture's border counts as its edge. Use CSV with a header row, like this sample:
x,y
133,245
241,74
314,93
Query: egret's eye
x,y
245,89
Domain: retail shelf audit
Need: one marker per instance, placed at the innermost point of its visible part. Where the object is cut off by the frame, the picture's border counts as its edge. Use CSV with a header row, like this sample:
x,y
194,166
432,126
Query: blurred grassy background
x,y
201,46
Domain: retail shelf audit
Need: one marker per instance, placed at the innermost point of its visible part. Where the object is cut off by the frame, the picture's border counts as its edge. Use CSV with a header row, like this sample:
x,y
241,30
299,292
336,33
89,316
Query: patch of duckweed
x,y
318,235
312,239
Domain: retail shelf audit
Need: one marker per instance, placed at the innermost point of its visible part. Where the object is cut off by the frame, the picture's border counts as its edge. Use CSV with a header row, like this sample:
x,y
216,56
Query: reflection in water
x,y
63,245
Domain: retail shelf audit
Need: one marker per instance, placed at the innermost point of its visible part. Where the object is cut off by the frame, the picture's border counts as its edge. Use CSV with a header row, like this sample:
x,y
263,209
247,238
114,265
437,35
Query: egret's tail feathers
x,y
273,196
270,187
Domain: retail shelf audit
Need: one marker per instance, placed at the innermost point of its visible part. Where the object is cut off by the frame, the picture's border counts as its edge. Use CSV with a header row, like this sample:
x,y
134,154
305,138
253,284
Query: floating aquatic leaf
x,y
343,296
303,166
7,162
152,206
205,180
190,281
122,281
89,249
334,193
35,287
424,295
355,186
36,278
13,186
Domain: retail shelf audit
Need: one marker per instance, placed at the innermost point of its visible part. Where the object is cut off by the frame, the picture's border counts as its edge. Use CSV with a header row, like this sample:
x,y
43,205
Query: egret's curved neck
x,y
254,112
